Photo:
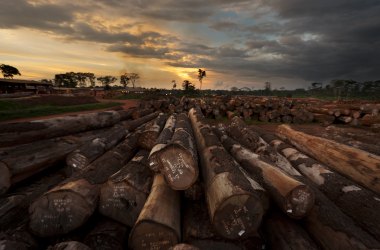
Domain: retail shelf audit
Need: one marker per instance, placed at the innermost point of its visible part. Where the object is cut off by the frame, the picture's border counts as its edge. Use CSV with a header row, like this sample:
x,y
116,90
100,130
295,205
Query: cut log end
x,y
299,202
5,178
178,167
238,217
151,235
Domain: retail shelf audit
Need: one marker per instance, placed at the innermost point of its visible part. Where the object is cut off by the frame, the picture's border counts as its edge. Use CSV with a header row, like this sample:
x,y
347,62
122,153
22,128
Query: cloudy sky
x,y
241,43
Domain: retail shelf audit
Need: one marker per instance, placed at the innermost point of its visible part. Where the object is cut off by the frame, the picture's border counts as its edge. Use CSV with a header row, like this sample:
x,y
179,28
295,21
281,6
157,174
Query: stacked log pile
x,y
141,179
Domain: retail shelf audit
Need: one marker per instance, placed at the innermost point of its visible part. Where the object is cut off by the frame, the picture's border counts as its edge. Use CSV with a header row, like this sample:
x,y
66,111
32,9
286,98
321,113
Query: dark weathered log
x,y
25,132
360,204
124,194
158,226
179,159
164,138
323,119
150,134
195,192
369,120
293,197
236,202
69,245
359,165
69,205
138,113
131,125
23,161
107,235
284,234
18,238
184,246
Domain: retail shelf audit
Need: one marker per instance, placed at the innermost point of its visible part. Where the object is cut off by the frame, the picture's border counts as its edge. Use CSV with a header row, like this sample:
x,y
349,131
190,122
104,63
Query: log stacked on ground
x,y
69,245
231,195
151,133
158,225
124,194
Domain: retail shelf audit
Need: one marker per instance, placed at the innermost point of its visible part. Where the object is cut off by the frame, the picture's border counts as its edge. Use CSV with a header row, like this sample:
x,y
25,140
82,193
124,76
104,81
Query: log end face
x,y
5,178
238,216
150,235
299,202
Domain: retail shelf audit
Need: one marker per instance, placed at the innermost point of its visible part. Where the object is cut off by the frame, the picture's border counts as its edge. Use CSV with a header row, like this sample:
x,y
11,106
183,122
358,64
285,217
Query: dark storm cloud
x,y
139,51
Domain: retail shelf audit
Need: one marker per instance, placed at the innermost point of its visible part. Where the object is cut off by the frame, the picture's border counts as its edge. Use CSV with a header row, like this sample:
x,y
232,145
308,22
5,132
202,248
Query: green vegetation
x,y
12,110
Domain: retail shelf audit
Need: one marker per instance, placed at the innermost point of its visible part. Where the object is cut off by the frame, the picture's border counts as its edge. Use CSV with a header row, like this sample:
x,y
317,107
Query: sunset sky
x,y
239,43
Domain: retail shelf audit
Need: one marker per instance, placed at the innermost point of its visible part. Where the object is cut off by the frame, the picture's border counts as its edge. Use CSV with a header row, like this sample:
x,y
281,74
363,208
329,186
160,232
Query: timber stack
x,y
161,176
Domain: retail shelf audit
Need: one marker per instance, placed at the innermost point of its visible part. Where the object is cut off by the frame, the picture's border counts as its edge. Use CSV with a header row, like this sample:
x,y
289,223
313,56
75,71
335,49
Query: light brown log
x,y
158,226
69,245
356,164
293,197
284,234
149,136
345,119
69,205
124,194
23,161
164,138
25,132
232,196
179,159
368,120
107,235
323,119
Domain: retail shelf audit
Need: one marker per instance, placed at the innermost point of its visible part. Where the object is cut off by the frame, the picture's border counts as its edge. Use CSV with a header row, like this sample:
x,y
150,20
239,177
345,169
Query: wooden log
x,y
345,119
164,138
158,226
25,132
18,238
69,205
232,196
323,119
368,120
131,125
107,235
356,164
23,161
362,205
179,159
284,234
123,196
138,113
149,136
69,245
230,115
184,246
195,192
293,197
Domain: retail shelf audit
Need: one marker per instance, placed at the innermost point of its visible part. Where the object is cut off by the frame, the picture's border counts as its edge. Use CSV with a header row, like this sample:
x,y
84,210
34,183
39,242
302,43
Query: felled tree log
x,y
23,161
284,234
323,119
231,195
18,238
183,246
107,235
163,139
179,158
362,205
69,205
195,192
131,125
123,196
293,197
368,120
150,134
158,225
356,164
25,132
138,113
69,245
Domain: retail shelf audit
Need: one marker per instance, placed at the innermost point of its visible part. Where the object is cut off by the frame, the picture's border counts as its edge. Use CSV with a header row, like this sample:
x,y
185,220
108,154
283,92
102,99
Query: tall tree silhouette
x,y
201,74
9,71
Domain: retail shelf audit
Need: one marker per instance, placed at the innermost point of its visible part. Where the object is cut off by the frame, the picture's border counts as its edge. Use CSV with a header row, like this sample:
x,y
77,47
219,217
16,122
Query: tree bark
x,y
293,197
179,159
356,164
138,113
163,139
123,196
149,136
69,205
158,225
131,125
69,245
25,132
231,195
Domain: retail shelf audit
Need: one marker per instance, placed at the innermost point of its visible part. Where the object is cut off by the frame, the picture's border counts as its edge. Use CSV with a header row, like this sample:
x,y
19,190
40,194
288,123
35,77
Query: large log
x,y
164,138
179,159
293,197
356,164
131,125
138,113
25,132
69,245
150,134
23,161
124,194
236,202
69,205
360,204
18,238
158,226
107,235
284,234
